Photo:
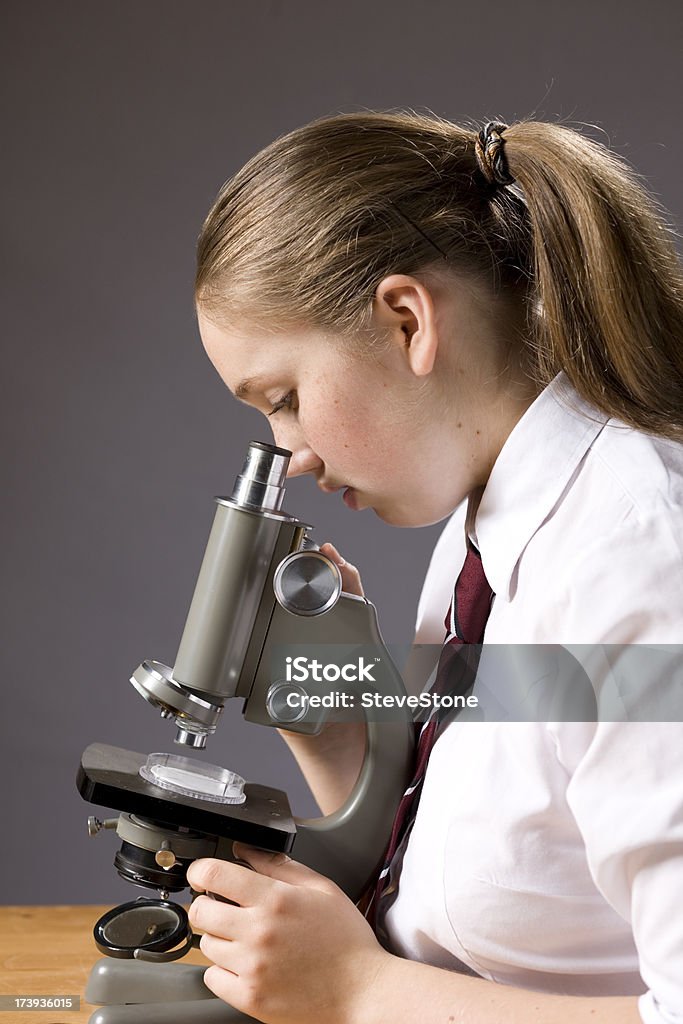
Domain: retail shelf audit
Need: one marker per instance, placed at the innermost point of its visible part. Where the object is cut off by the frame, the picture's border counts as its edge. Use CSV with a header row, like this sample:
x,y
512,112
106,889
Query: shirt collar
x,y
535,465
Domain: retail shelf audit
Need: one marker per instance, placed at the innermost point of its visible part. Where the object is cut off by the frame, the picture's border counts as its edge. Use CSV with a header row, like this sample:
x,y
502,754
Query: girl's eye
x,y
286,402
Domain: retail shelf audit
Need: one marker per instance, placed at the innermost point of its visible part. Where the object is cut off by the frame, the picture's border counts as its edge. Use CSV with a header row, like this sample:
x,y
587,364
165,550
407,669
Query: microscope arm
x,y
348,844
330,762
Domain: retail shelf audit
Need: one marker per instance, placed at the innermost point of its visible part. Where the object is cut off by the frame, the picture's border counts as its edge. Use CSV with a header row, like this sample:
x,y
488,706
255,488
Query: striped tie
x,y
455,674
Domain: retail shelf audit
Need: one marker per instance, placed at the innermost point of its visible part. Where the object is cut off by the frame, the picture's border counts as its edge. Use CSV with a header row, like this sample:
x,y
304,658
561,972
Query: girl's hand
x,y
294,951
351,583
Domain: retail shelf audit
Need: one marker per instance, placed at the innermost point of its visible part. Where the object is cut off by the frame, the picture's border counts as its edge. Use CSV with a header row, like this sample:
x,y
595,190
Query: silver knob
x,y
280,705
307,583
96,825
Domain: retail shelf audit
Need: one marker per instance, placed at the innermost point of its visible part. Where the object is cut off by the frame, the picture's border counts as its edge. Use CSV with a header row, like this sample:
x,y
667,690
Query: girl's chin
x,y
415,518
394,516
393,513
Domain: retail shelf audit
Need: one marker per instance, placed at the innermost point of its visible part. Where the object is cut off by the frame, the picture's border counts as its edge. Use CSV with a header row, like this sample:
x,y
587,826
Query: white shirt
x,y
549,855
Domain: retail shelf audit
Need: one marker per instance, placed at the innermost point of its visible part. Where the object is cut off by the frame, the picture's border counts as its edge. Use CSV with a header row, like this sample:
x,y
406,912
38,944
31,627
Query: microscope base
x,y
142,993
132,981
198,1011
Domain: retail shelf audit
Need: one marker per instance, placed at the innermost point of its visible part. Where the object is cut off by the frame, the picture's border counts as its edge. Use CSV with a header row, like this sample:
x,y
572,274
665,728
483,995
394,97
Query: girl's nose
x,y
303,460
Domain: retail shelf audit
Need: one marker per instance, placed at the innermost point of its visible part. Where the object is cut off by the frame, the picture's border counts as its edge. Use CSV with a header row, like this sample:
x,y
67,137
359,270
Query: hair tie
x,y
488,148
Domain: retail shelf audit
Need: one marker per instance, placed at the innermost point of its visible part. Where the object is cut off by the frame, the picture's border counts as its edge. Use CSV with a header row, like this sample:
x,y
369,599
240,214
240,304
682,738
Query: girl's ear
x,y
404,307
421,349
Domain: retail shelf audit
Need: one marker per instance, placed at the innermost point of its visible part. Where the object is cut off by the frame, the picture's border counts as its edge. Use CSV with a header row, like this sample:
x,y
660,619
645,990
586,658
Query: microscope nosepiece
x,y
195,717
190,737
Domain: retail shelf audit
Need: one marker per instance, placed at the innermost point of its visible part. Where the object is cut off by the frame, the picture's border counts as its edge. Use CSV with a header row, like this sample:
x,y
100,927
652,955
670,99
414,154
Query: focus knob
x,y
307,583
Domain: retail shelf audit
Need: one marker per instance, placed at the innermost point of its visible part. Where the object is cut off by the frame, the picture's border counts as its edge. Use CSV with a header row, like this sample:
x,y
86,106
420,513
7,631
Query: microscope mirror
x,y
144,930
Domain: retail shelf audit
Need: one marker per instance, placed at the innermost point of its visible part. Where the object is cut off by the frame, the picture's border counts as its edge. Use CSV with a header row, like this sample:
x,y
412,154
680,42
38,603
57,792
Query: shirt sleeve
x,y
652,1013
626,795
626,786
627,587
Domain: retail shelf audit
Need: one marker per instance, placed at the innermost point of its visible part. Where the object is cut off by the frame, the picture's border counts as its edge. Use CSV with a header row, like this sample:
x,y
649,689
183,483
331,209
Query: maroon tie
x,y
456,671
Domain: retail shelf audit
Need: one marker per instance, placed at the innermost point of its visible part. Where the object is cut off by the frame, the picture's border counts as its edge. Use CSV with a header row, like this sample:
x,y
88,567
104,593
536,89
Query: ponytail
x,y
607,279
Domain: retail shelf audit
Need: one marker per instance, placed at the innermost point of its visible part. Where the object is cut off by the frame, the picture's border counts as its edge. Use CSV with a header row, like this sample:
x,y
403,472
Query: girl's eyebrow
x,y
246,386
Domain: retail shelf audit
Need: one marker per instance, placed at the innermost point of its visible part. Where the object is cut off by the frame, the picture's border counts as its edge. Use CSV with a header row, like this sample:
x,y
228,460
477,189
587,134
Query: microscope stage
x,y
110,777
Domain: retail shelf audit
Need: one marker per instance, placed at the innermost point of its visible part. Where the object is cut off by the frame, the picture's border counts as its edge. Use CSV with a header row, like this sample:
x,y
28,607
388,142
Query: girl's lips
x,y
349,499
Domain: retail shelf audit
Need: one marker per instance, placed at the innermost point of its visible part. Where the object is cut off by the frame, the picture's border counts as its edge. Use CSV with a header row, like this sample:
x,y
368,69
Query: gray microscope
x,y
267,605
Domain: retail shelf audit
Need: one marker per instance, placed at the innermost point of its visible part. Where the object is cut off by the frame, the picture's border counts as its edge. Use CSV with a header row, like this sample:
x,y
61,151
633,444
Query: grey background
x,y
119,123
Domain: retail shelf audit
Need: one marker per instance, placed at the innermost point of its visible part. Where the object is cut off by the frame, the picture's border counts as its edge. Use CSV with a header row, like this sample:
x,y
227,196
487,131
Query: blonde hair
x,y
306,230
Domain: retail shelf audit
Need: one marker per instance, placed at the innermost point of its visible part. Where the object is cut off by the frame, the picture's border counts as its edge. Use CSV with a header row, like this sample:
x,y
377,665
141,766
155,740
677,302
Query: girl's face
x,y
377,428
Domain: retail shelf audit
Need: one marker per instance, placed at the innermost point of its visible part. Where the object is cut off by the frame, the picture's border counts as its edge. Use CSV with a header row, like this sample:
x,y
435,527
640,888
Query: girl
x,y
428,314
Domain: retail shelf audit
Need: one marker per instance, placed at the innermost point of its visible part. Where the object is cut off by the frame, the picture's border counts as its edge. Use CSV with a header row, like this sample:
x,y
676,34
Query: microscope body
x,y
264,595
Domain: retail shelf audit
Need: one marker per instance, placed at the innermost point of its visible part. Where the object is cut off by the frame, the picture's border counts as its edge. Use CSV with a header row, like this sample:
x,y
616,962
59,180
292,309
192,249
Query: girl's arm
x,y
292,947
330,762
405,991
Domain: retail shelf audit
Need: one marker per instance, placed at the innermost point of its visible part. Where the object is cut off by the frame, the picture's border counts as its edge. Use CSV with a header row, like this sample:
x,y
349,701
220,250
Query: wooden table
x,y
49,951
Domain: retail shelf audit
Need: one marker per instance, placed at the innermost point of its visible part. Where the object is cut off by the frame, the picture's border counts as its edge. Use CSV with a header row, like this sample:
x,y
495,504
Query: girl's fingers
x,y
221,919
235,882
224,983
283,868
351,581
228,955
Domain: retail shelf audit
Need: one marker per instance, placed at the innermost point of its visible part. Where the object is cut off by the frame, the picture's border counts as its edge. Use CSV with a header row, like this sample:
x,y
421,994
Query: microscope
x,y
268,623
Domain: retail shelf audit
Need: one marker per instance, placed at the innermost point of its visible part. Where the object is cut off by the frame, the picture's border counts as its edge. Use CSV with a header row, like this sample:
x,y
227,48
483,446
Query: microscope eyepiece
x,y
261,484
